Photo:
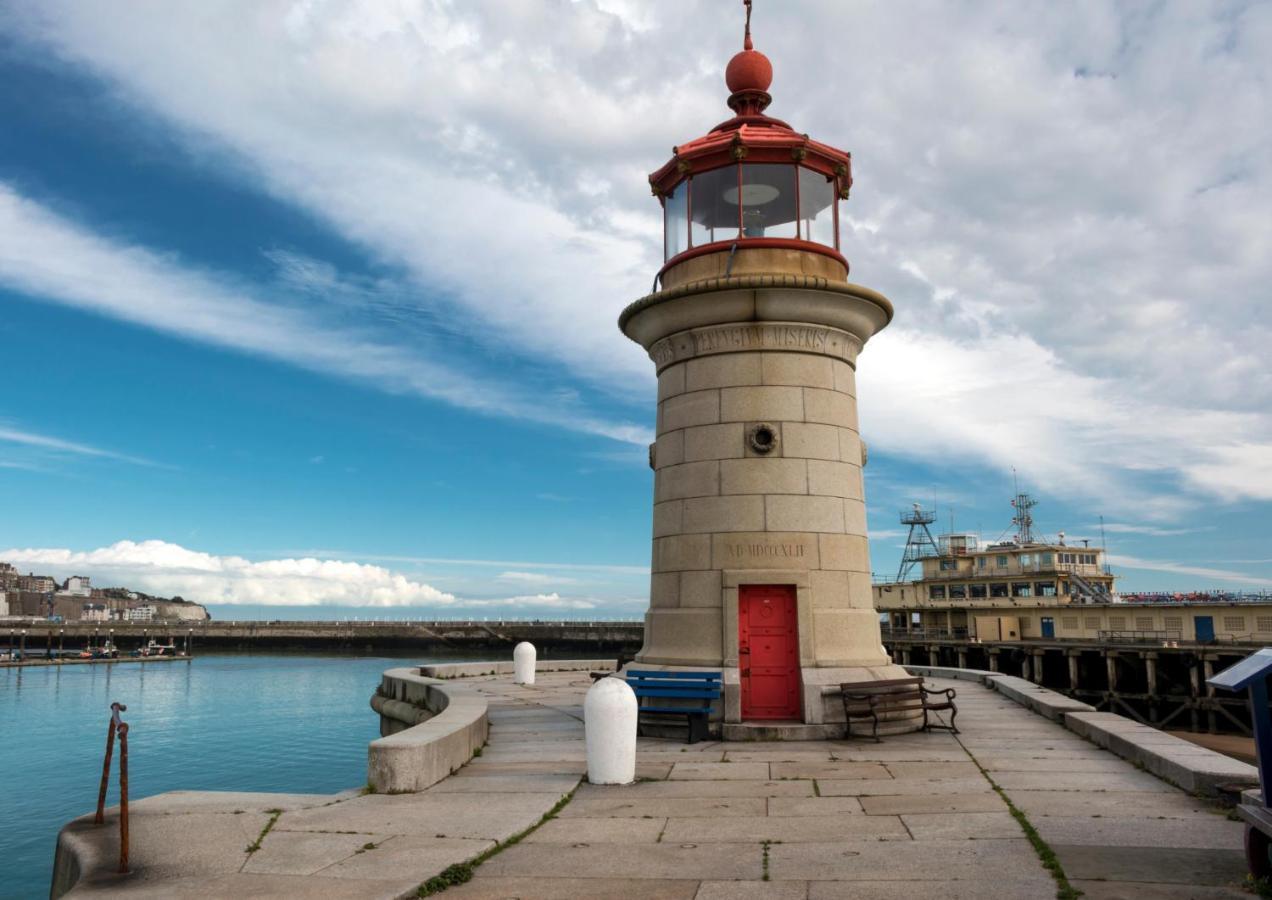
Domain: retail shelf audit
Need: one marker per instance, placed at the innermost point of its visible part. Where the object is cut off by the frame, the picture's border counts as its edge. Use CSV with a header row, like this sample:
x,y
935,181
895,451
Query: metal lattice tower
x,y
1023,519
919,545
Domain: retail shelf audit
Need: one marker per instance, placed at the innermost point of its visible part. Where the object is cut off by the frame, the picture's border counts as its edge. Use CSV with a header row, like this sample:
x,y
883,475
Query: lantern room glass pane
x,y
816,207
715,206
676,225
768,200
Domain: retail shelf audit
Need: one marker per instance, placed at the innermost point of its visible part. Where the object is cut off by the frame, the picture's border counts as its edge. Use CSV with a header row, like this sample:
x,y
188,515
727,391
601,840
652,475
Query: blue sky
x,y
315,305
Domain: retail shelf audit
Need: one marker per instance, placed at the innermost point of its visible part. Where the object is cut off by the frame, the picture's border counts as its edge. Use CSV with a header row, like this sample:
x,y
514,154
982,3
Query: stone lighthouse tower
x,y
760,561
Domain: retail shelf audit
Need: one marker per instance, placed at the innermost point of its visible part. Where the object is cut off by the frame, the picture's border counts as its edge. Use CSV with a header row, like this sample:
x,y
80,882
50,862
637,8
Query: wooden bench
x,y
870,699
703,687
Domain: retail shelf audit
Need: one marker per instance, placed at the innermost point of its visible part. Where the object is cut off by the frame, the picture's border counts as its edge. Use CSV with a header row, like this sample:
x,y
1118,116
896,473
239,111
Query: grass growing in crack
x,y
461,873
816,788
1047,856
256,844
766,845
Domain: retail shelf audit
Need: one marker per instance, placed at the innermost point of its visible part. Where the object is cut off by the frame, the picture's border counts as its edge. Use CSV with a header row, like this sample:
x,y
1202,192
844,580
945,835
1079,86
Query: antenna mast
x,y
1023,519
919,544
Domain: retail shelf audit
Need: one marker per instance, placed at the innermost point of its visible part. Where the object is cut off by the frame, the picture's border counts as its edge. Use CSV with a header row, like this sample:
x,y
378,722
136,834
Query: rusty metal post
x,y
1194,695
101,794
123,797
48,644
22,646
61,641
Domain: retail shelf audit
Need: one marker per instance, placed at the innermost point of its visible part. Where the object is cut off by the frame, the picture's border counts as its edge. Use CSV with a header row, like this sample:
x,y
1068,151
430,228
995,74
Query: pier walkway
x,y
917,816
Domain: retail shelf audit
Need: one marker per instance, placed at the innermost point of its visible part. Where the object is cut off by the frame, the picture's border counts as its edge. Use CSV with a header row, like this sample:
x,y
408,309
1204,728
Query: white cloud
x,y
1079,267
1151,530
1174,568
534,578
47,444
166,569
48,256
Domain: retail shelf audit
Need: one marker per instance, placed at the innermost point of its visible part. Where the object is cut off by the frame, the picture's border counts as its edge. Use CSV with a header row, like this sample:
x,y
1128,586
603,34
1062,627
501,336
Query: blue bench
x,y
703,687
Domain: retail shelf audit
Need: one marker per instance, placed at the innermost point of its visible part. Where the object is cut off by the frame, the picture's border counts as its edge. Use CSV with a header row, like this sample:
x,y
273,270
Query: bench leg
x,y
875,730
953,716
697,728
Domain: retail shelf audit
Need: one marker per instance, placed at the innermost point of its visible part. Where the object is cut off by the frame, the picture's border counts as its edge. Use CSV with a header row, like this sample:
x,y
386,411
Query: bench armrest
x,y
948,692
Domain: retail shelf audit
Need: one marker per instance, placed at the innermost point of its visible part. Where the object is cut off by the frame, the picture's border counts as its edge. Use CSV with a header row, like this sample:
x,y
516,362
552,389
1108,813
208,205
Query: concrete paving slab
x,y
897,787
648,790
779,754
1112,804
962,826
1087,782
1129,890
753,771
491,816
305,852
752,890
929,771
484,887
258,887
828,769
1101,763
638,861
1171,865
979,861
635,808
814,806
886,754
940,803
224,801
1040,886
508,784
166,846
1201,831
598,831
788,829
483,767
414,857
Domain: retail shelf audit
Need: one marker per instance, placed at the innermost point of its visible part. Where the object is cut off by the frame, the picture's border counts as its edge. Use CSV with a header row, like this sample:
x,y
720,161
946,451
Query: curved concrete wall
x,y
452,724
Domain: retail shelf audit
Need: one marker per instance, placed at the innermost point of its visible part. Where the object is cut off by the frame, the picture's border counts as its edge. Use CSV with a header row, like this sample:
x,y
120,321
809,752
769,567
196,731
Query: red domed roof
x,y
749,70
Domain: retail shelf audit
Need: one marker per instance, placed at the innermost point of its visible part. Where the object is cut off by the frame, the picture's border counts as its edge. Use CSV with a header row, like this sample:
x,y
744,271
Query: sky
x,y
309,307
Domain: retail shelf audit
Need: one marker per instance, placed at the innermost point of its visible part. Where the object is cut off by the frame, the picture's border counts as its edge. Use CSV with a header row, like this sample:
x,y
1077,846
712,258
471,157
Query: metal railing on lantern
x,y
118,727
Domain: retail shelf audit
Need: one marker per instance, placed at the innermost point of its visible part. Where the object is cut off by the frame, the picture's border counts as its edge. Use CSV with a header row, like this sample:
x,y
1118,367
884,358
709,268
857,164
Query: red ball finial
x,y
749,70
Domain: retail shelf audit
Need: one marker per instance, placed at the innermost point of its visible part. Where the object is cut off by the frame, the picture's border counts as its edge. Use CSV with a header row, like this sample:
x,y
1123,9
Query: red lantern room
x,y
751,182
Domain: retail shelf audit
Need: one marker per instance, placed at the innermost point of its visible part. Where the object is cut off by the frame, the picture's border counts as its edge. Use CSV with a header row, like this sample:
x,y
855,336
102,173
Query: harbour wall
x,y
573,638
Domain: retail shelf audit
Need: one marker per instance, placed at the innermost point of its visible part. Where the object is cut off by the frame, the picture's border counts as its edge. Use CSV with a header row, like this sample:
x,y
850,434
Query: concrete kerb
x,y
505,667
1186,765
425,753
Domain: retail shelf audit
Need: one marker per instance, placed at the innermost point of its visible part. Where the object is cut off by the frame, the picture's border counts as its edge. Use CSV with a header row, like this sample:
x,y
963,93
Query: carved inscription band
x,y
755,336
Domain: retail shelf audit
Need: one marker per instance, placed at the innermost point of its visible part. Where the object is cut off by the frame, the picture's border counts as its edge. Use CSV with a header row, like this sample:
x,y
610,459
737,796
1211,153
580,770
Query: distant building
x,y
139,614
4,603
37,584
78,585
94,612
8,577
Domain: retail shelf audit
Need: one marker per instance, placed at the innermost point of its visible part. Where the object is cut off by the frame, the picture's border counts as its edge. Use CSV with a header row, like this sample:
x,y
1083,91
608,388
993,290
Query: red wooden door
x,y
768,651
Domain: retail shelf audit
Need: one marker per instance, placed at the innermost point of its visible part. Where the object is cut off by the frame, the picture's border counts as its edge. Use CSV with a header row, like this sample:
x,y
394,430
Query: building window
x,y
998,590
768,201
1263,623
1026,559
816,207
981,562
1093,623
675,225
978,591
949,565
936,592
714,206
1001,562
1176,623
1021,589
1069,623
1117,623
1047,559
1234,623
958,592
1045,588
1144,623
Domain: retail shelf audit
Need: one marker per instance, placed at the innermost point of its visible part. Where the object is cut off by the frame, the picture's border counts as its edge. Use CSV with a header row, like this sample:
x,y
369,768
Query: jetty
x,y
478,788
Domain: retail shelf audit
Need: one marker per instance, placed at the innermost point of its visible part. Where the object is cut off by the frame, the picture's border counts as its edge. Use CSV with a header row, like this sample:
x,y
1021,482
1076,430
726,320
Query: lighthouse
x,y
760,563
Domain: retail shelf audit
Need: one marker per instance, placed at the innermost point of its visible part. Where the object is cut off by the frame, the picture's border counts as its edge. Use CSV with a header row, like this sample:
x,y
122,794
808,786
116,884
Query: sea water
x,y
243,722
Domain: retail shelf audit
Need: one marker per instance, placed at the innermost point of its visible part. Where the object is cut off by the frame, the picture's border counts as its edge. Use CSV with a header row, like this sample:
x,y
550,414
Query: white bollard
x,y
609,723
523,663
